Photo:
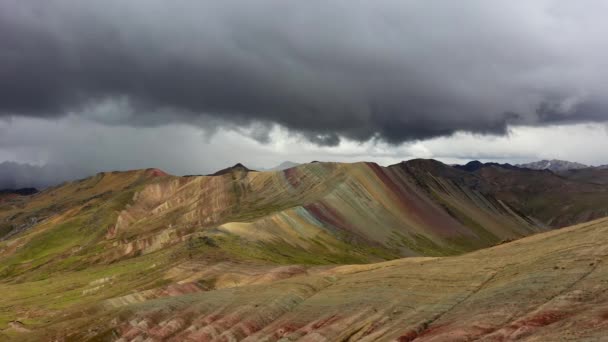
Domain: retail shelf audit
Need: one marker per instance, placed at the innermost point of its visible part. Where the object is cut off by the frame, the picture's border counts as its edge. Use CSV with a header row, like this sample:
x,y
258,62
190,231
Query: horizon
x,y
269,167
13,182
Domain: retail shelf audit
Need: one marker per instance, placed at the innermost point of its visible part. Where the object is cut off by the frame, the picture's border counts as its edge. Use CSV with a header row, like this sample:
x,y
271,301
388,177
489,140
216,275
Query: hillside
x,y
314,213
79,250
542,288
552,199
283,166
594,175
7,195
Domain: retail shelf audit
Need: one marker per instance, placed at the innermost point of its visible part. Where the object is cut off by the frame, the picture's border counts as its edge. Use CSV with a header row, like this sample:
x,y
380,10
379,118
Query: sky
x,y
193,86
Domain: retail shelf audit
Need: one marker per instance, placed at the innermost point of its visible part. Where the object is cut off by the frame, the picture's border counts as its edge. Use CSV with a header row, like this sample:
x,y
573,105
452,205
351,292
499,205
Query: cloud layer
x,y
72,147
390,70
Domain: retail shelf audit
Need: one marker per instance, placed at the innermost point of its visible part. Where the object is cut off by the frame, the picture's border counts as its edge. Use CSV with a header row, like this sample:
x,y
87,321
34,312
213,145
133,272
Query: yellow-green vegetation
x,y
78,251
548,287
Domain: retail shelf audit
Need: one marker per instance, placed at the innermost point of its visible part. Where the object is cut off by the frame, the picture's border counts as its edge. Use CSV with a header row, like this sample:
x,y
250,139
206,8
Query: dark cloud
x,y
389,70
21,175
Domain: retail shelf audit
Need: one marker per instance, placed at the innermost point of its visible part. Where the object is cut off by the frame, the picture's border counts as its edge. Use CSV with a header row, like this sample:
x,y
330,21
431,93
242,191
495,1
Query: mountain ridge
x,y
282,166
238,167
554,165
116,239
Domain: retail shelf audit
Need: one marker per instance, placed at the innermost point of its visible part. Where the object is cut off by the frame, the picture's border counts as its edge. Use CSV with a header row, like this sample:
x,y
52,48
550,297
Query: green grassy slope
x,y
543,288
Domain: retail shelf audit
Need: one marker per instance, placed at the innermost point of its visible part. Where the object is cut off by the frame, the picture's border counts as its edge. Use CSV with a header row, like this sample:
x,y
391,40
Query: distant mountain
x,y
13,194
476,165
20,192
554,165
236,168
283,166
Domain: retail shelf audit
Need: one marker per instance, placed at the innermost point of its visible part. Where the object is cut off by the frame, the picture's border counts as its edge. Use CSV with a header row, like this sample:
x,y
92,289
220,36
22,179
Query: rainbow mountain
x,y
80,260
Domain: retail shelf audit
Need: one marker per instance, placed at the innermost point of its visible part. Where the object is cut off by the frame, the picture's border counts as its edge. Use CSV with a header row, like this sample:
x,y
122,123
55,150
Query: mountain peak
x,y
555,165
154,172
238,167
471,166
475,165
283,166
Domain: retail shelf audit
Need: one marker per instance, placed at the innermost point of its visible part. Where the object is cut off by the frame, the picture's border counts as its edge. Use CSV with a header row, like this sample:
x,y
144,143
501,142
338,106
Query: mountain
x,y
76,259
476,165
237,168
552,199
283,166
549,287
594,175
553,165
10,195
19,192
317,209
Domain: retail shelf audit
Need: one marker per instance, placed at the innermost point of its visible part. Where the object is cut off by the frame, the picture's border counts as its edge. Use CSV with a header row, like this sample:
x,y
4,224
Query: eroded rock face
x,y
369,204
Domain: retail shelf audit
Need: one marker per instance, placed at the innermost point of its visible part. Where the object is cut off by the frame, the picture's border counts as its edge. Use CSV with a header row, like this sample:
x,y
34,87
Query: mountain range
x,y
283,166
554,165
319,251
19,175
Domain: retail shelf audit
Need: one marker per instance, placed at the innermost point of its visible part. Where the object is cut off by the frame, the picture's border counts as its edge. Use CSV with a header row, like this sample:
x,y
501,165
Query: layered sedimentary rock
x,y
302,253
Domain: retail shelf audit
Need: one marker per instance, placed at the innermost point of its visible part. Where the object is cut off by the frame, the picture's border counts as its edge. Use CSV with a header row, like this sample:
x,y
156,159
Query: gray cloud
x,y
73,147
22,175
389,70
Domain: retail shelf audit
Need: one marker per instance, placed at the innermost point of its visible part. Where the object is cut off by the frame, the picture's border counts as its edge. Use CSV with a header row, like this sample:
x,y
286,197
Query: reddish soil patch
x,y
321,323
416,207
249,327
542,319
286,329
211,318
434,329
328,215
156,173
408,336
326,321
111,232
292,176
7,197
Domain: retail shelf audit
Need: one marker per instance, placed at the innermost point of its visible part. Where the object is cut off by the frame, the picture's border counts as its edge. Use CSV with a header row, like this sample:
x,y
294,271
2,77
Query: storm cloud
x,y
384,70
